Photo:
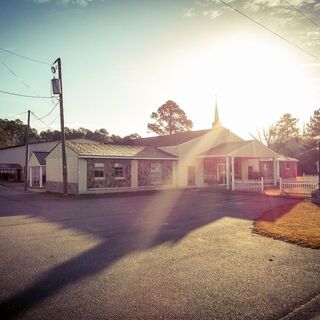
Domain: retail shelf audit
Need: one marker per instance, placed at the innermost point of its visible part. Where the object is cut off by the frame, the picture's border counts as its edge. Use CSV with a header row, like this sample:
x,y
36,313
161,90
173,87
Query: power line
x,y
301,13
47,125
50,111
15,74
25,57
20,79
15,115
24,95
268,29
54,119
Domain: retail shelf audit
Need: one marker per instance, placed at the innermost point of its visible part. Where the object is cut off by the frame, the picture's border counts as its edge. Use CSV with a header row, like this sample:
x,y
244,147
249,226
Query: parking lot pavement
x,y
174,254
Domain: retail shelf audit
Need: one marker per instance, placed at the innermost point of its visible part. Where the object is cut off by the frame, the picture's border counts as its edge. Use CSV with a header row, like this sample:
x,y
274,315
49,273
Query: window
x,y
118,171
98,171
155,173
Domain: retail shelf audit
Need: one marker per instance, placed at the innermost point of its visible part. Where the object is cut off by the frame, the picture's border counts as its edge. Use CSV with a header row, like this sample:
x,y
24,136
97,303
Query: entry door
x,y
221,173
191,175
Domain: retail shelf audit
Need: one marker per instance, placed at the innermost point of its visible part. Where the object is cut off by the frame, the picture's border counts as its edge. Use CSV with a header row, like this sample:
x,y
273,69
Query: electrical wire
x,y
268,29
49,111
23,82
54,119
15,75
14,116
24,95
25,57
47,125
302,14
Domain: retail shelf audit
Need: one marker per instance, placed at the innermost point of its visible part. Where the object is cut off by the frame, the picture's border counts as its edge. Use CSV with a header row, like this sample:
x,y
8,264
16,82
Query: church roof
x,y
170,140
118,151
241,149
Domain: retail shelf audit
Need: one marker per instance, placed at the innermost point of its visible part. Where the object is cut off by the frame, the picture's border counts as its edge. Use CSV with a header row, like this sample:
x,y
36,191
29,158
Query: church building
x,y
214,157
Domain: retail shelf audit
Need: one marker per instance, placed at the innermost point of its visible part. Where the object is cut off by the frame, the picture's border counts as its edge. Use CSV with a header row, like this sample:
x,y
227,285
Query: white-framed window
x,y
118,171
98,171
156,173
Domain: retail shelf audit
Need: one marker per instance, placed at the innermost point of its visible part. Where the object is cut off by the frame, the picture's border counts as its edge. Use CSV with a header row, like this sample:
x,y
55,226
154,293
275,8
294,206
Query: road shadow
x,y
136,224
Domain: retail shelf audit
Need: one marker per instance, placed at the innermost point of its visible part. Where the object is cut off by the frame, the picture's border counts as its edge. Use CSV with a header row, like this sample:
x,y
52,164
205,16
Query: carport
x,y
10,172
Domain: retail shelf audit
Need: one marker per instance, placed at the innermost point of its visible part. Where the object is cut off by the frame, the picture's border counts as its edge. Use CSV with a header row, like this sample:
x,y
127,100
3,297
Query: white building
x,y
215,157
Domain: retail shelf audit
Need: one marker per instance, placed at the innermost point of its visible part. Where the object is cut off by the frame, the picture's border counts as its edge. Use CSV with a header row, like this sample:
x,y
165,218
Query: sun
x,y
247,73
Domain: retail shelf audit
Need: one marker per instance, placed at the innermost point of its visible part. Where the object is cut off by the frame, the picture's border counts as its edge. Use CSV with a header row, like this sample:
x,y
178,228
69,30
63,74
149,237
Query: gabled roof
x,y
286,158
241,149
118,151
170,140
41,156
225,149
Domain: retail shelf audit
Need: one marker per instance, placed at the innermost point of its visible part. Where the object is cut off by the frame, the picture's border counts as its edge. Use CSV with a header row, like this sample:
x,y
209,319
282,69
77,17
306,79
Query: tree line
x,y
12,133
286,138
169,119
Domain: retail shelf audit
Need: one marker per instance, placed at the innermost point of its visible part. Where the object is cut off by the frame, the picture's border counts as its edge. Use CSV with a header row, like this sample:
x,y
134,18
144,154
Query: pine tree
x,y
312,130
169,119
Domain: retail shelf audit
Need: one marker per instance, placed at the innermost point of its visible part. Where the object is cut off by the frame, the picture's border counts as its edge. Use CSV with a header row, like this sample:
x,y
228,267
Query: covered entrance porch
x,y
37,169
232,165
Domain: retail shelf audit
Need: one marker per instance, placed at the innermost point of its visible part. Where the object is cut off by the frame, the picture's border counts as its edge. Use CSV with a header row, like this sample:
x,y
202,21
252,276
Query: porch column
x,y
134,174
274,171
40,179
30,177
232,173
228,172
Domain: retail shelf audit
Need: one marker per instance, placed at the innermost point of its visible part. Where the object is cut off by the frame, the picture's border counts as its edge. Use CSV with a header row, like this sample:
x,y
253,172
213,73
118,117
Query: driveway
x,y
163,255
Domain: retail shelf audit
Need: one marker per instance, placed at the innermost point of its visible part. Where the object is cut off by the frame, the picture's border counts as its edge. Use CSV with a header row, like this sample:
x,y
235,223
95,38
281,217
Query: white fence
x,y
300,186
248,185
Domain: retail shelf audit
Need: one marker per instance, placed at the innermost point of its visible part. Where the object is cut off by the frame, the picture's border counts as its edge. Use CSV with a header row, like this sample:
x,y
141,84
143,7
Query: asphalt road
x,y
164,255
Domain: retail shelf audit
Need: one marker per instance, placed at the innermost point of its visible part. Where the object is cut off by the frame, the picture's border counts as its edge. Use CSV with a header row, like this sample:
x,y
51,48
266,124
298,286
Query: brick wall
x,y
145,176
109,181
288,169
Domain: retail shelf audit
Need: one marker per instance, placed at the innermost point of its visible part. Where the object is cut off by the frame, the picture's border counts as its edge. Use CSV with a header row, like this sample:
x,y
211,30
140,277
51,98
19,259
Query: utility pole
x,y
27,153
63,142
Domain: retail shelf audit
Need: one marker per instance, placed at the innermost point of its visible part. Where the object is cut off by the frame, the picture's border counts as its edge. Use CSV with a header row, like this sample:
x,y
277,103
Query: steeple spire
x,y
216,123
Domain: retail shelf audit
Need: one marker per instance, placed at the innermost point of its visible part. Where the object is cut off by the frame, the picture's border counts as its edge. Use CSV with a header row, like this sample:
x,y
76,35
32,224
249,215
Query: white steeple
x,y
216,123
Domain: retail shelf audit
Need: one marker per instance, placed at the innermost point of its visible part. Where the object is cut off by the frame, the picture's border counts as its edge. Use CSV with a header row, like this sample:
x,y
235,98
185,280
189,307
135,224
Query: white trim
x,y
253,142
232,154
125,158
30,176
227,172
232,173
40,178
274,171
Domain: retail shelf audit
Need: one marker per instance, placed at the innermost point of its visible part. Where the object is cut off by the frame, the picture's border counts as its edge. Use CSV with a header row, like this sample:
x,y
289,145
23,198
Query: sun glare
x,y
244,72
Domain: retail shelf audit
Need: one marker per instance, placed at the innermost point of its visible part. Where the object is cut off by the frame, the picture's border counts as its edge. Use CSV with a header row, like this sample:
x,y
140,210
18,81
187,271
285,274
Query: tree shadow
x,y
155,219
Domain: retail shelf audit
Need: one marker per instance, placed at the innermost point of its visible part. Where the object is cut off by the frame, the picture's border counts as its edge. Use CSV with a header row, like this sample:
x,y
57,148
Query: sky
x,y
121,60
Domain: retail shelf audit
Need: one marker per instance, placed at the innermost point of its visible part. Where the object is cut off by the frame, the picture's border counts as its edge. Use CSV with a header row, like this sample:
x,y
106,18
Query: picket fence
x,y
248,185
300,186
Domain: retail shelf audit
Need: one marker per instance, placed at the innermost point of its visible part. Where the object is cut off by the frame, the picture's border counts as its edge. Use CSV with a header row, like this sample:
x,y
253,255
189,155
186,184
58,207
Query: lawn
x,y
298,223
